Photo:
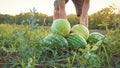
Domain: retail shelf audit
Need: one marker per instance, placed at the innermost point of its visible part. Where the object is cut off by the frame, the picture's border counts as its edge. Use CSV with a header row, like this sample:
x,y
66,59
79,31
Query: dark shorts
x,y
77,3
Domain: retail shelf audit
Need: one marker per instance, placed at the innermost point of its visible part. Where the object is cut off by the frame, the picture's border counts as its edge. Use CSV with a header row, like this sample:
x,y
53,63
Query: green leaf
x,y
87,55
82,66
94,48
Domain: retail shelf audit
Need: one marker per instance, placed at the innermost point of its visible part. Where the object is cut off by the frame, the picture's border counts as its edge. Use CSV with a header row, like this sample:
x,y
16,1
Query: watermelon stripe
x,y
61,39
61,27
95,37
76,40
82,30
55,41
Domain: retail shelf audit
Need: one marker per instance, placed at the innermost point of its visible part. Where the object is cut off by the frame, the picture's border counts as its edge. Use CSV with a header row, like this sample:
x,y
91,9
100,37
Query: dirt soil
x,y
100,31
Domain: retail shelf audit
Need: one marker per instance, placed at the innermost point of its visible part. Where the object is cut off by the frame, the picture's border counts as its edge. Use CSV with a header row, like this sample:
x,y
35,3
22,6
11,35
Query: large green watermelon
x,y
54,40
76,40
81,30
61,27
95,37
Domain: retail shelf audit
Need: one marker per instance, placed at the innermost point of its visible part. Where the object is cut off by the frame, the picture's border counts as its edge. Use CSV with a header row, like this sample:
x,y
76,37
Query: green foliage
x,y
113,38
21,47
21,44
73,19
112,44
22,17
104,16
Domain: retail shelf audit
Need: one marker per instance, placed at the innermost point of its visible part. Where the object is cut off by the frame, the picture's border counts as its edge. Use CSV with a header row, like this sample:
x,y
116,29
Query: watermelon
x,y
61,27
81,30
55,41
76,40
95,37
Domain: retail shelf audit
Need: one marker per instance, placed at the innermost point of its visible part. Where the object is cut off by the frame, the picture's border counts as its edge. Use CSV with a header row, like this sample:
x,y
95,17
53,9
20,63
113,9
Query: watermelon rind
x,y
81,30
54,40
61,27
76,41
94,37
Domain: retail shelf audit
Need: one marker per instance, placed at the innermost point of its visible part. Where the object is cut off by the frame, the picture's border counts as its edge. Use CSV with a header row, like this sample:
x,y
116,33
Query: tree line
x,y
99,20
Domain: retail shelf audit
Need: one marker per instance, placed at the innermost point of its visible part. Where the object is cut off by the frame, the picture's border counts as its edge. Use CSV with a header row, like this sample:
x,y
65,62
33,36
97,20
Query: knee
x,y
87,2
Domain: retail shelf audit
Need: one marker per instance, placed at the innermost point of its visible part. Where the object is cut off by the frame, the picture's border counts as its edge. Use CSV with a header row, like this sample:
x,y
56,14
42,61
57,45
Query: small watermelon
x,y
61,27
55,41
81,30
95,37
76,40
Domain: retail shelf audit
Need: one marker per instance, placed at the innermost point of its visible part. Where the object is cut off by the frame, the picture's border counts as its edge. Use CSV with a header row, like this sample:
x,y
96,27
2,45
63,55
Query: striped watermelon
x,y
95,37
54,40
81,30
76,40
61,27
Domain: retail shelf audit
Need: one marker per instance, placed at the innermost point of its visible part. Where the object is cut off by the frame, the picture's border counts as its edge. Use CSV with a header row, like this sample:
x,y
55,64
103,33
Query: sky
x,y
14,7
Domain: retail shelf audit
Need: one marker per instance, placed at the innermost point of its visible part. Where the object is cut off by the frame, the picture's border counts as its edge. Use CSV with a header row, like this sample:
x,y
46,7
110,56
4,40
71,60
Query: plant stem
x,y
106,56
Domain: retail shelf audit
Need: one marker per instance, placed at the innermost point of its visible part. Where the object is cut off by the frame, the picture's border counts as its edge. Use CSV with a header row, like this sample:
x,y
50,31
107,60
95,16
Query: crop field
x,y
21,47
36,40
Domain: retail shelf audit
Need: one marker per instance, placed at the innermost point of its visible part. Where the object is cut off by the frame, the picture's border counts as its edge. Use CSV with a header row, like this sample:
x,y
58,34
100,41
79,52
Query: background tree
x,y
106,16
73,19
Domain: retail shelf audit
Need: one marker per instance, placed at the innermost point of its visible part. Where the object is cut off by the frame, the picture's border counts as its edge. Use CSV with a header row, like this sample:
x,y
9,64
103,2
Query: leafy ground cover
x,y
20,47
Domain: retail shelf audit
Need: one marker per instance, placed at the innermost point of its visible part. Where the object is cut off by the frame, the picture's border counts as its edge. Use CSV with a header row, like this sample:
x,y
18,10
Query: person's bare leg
x,y
56,14
62,12
59,9
84,14
86,21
